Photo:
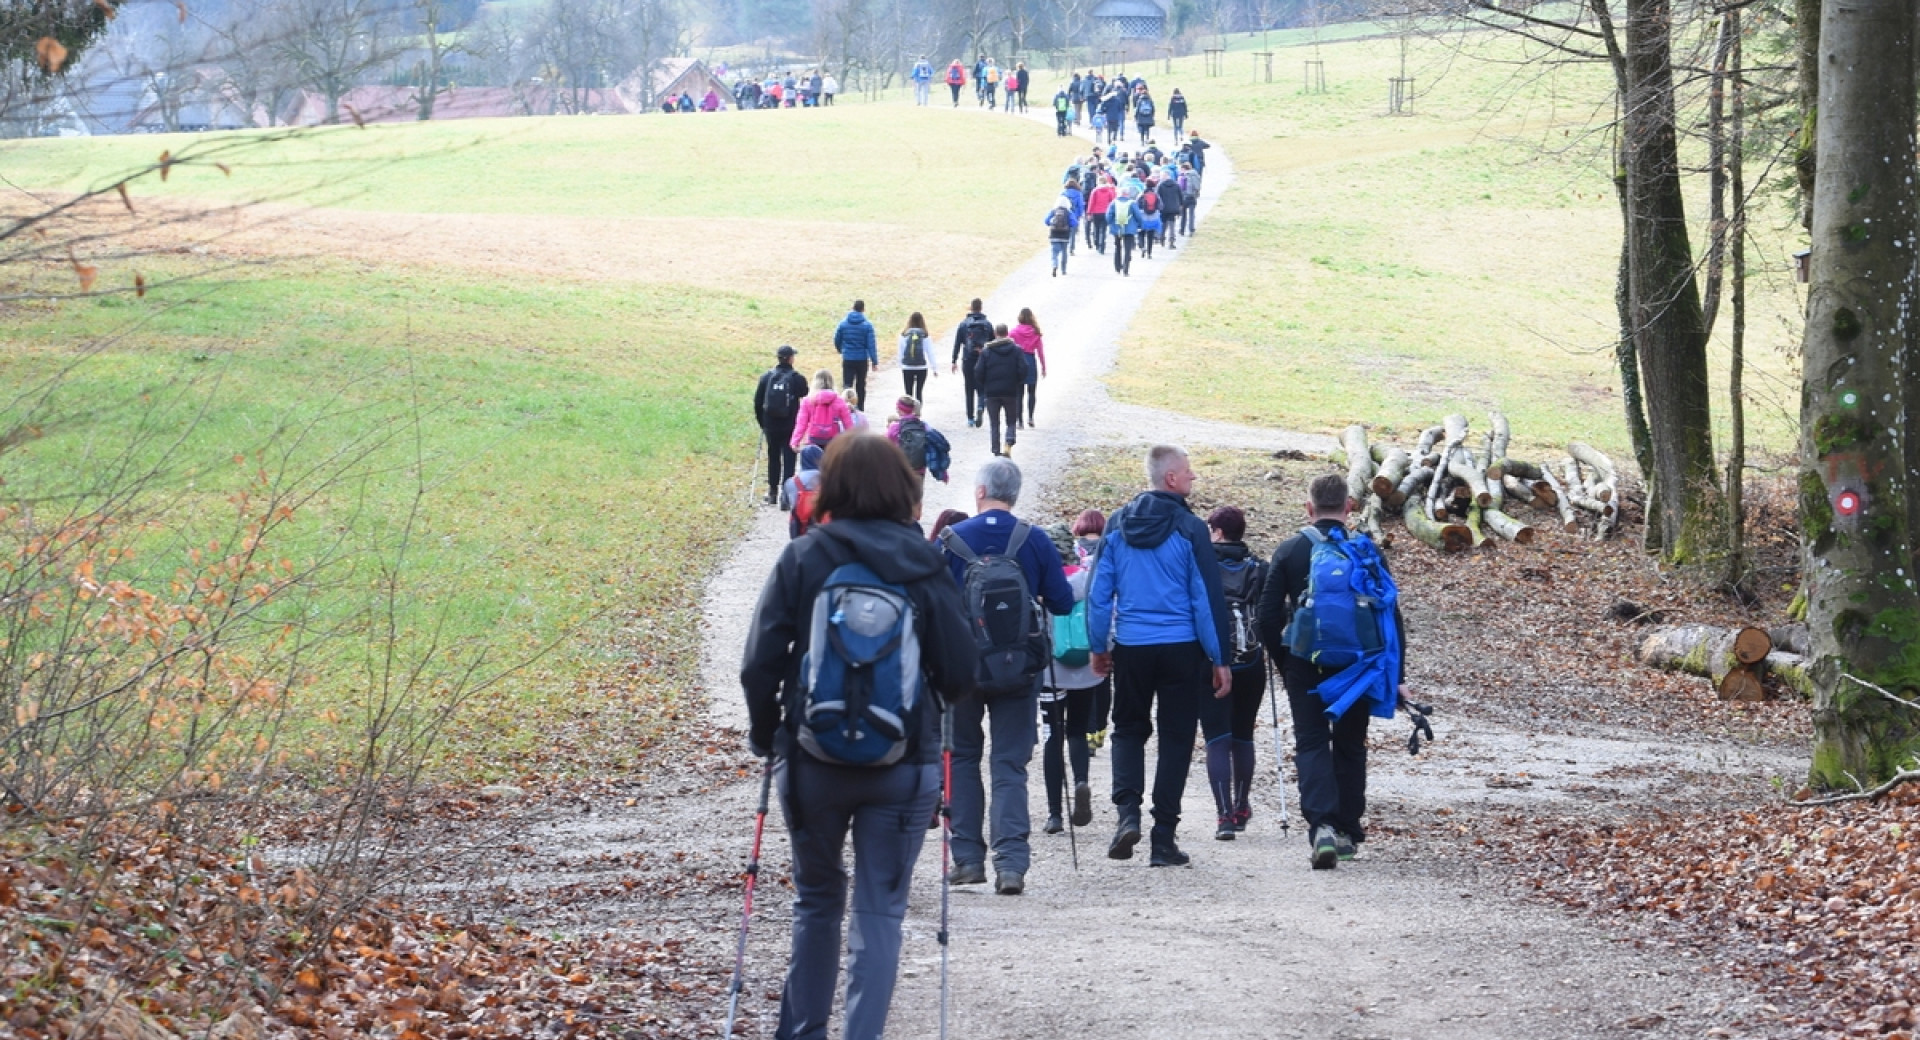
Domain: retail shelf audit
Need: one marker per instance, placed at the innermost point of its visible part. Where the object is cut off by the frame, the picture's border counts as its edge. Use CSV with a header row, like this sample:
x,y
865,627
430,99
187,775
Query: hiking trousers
x,y
1170,683
920,92
886,810
915,380
1014,730
1033,377
956,93
1186,221
1067,716
1123,254
854,374
971,388
780,453
1329,756
1059,248
996,409
1097,232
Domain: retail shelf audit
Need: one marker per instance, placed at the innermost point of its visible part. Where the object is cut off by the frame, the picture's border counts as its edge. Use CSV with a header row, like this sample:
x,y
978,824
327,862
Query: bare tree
x,y
332,45
437,44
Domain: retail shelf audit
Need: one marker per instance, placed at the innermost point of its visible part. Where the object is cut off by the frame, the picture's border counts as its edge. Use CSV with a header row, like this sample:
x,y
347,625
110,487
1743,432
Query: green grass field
x,y
588,438
1387,270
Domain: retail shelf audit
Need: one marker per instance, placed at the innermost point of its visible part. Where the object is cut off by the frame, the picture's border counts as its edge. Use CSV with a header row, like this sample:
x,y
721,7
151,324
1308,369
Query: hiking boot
x,y
773,498
1082,804
1010,883
1344,846
967,874
1056,271
1225,830
1240,818
1326,854
1165,853
1125,837
1054,826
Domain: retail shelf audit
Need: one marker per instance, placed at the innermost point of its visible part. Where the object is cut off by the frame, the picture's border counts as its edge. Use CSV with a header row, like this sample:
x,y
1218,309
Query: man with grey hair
x,y
1158,621
979,551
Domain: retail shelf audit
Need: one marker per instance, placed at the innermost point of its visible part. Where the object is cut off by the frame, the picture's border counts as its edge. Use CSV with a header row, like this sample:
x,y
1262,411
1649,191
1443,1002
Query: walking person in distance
x,y
824,414
1156,602
1002,372
859,351
915,359
1229,734
867,559
1026,336
776,406
1002,565
922,77
969,339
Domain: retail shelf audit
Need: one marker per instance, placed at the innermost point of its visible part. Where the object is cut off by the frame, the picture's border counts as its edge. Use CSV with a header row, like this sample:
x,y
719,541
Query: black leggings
x,y
1067,725
1097,231
956,93
1032,389
853,375
916,380
1249,692
1123,253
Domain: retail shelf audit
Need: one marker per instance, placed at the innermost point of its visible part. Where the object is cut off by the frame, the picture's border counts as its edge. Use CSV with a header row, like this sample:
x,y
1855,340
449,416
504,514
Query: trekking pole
x,y
746,914
1279,755
946,852
1066,756
753,476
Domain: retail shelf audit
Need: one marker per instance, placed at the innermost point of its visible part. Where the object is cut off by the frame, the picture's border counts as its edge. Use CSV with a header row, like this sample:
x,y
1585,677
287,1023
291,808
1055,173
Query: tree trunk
x,y
1669,336
1623,353
1863,611
1737,289
1806,19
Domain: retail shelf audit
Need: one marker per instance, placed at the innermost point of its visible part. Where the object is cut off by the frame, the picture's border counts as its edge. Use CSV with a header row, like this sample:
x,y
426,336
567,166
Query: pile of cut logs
x,y
1733,659
1453,496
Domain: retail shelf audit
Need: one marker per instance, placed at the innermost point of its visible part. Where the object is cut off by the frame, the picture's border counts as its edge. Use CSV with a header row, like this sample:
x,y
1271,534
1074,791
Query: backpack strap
x,y
952,543
1314,534
1018,538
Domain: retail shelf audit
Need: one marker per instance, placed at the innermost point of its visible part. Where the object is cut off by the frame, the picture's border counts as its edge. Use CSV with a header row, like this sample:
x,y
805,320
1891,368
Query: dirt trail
x,y
1248,942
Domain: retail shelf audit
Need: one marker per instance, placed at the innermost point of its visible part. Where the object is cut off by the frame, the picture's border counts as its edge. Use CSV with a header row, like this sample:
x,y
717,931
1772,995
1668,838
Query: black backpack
x,y
783,399
1061,220
1000,610
976,331
1241,581
914,354
912,436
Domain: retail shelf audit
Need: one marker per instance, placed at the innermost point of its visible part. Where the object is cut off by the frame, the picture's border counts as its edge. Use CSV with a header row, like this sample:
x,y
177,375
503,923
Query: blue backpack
x,y
939,454
860,685
1349,603
1072,642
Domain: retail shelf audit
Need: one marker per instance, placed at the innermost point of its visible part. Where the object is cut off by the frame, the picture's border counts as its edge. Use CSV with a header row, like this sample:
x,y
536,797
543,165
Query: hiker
x,y
1059,221
1156,601
854,341
909,431
1123,221
1099,123
858,413
1177,112
829,86
1062,108
1229,734
1189,197
1088,528
1330,747
922,76
710,103
1026,336
956,78
1067,696
993,85
798,494
1199,149
1021,80
1009,695
915,360
1076,209
816,88
776,406
1114,108
1077,96
946,519
1098,202
823,414
1001,372
969,340
869,548
1143,110
1172,204
1151,223
980,80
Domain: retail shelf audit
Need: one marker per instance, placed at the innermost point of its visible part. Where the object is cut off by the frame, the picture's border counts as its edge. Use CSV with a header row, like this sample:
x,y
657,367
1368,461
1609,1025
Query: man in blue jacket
x,y
855,342
1012,717
922,77
1156,600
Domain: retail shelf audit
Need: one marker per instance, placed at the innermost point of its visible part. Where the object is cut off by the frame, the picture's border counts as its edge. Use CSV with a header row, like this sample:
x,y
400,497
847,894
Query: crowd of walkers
x,y
1138,201
815,88
900,674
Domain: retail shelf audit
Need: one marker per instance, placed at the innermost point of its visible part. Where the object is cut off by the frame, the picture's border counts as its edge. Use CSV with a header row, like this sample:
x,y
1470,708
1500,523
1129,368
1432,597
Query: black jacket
x,y
1287,586
974,332
898,553
1171,199
1177,108
796,385
1001,370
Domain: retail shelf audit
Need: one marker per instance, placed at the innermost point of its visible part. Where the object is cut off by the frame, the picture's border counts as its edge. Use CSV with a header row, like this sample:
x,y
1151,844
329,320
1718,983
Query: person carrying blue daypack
x,y
1330,615
857,644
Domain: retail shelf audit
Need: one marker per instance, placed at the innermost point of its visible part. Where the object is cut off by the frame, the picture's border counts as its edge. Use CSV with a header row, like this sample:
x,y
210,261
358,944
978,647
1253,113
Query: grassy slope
x,y
1388,270
591,441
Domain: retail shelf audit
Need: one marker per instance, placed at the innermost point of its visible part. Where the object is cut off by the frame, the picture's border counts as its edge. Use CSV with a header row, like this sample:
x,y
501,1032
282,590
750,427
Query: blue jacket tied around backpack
x,y
1349,622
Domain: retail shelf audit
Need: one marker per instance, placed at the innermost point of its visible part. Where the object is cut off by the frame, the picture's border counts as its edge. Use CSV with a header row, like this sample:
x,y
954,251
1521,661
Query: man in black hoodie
x,y
1001,374
969,339
873,500
776,403
1172,202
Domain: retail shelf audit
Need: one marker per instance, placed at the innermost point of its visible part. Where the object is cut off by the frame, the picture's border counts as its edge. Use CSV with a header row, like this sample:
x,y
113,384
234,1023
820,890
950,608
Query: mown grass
x,y
586,442
1387,270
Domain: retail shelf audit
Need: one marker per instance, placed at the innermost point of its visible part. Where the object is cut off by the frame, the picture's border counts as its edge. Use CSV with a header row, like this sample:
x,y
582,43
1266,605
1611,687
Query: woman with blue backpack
x,y
861,591
1068,693
1229,733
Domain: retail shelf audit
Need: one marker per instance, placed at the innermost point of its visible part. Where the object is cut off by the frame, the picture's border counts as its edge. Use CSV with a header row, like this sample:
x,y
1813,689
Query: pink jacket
x,y
823,414
1027,338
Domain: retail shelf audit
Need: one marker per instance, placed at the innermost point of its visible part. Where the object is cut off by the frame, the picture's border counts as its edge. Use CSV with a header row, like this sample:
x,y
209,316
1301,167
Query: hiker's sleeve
x,y
1055,591
802,420
760,401
1273,602
1100,598
768,660
959,340
950,664
1208,599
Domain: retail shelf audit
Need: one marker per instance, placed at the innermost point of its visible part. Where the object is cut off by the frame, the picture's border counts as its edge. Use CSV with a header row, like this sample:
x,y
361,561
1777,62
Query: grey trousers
x,y
1015,728
887,811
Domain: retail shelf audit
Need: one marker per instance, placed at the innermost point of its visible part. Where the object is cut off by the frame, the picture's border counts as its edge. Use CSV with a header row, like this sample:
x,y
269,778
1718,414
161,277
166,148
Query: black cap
x,y
785,351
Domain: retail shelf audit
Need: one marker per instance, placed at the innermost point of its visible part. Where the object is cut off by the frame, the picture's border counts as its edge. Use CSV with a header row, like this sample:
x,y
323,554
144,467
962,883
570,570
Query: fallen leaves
x,y
50,54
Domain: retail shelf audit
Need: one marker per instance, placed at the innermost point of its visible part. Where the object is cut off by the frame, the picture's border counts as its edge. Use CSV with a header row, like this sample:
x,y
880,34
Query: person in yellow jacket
x,y
993,84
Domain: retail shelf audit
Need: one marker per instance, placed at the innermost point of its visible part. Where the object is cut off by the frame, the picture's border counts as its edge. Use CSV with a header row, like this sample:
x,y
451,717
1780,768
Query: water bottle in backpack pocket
x,y
1241,582
860,684
1339,621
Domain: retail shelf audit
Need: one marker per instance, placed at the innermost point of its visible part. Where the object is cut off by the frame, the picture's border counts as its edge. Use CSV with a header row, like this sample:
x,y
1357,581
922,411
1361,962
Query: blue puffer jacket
x,y
1157,580
854,339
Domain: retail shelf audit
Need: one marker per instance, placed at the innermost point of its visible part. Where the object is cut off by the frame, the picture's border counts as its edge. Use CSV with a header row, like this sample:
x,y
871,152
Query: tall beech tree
x,y
1856,498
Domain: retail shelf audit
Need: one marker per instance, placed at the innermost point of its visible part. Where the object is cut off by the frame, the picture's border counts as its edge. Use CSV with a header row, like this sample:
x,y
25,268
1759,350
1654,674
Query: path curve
x,y
1247,942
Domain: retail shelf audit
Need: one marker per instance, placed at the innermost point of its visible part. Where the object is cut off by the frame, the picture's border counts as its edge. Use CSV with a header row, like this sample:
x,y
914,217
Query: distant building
x,y
1130,19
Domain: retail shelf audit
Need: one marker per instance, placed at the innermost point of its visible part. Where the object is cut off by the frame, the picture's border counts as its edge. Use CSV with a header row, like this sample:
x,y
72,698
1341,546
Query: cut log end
x,y
1752,645
1742,684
